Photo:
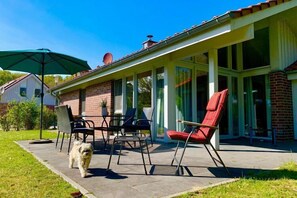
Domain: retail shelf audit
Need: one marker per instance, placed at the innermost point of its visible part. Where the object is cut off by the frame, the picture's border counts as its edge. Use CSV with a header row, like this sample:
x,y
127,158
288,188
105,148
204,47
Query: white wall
x,y
31,83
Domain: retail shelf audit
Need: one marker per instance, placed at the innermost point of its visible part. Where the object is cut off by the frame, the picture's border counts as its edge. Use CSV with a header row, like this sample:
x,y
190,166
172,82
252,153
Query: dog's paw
x,y
83,175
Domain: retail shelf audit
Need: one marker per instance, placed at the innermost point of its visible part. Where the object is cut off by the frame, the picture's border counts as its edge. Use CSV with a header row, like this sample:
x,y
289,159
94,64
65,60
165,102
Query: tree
x,y
6,76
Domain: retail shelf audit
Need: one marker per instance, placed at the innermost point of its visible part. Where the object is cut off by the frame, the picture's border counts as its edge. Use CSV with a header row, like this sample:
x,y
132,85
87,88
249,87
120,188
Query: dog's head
x,y
86,149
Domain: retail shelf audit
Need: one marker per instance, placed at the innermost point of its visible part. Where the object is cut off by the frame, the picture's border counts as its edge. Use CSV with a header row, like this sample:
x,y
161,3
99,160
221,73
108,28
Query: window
x,y
37,93
23,91
144,94
223,57
82,101
160,102
183,90
118,96
234,57
256,51
129,91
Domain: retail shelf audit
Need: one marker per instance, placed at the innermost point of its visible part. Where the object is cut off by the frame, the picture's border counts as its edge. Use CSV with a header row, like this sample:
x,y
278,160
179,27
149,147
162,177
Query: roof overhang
x,y
221,31
213,38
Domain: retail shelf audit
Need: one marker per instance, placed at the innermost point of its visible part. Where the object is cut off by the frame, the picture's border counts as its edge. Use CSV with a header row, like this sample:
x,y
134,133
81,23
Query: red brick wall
x,y
71,99
281,105
94,95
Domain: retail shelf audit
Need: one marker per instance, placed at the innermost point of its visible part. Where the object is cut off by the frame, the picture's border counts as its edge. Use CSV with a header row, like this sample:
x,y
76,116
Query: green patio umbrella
x,y
41,62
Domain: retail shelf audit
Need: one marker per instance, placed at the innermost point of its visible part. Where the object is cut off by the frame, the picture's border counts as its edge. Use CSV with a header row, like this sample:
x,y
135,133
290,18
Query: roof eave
x,y
162,44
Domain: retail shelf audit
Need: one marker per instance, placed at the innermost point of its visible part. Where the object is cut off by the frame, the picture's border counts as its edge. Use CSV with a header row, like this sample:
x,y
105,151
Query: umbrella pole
x,y
41,99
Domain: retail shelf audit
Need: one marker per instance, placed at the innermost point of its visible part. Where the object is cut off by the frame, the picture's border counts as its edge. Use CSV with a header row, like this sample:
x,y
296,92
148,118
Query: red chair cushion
x,y
195,137
213,102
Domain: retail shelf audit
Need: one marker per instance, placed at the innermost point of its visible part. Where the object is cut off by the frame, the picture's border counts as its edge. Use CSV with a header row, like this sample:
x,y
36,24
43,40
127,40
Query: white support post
x,y
135,91
124,94
154,99
213,87
169,100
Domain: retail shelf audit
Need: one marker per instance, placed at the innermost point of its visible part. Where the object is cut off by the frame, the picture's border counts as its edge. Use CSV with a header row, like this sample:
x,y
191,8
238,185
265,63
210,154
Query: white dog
x,y
82,153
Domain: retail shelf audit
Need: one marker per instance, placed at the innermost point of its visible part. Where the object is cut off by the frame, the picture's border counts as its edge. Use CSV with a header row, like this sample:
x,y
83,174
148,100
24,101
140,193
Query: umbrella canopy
x,y
41,62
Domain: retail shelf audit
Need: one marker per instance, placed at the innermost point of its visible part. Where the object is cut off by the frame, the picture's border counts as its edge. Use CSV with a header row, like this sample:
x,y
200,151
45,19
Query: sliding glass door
x,y
255,104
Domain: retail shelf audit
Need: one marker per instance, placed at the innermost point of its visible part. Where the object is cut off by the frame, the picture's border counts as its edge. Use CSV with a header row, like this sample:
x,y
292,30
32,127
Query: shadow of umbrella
x,y
41,62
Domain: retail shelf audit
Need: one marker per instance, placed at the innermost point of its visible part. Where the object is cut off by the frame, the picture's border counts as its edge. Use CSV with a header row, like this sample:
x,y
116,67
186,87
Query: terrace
x,y
128,179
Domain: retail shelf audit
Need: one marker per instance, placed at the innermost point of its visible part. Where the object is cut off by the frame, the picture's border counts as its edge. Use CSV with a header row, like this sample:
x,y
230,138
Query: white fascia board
x,y
217,31
260,15
292,76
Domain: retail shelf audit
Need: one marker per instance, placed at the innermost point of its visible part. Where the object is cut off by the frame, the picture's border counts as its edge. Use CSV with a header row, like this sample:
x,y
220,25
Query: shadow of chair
x,y
144,123
67,124
130,134
202,133
116,124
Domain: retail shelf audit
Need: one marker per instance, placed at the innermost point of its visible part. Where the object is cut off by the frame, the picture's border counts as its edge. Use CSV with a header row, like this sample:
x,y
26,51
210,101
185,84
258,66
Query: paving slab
x,y
129,180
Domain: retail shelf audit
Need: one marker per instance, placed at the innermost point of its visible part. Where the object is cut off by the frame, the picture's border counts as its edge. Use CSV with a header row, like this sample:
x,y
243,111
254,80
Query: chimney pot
x,y
148,43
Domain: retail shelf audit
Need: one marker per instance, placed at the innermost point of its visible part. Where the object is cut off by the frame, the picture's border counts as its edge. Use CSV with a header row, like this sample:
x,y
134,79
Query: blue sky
x,y
87,29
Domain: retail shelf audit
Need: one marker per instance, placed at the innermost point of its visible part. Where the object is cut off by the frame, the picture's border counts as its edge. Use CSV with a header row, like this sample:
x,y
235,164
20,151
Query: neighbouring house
x,y
250,51
24,88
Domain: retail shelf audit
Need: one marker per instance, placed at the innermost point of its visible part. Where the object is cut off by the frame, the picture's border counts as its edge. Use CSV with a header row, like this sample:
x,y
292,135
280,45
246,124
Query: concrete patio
x,y
128,178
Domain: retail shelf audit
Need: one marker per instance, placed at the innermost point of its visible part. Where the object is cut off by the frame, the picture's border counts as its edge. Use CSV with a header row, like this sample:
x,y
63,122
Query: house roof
x,y
182,35
292,67
16,81
13,82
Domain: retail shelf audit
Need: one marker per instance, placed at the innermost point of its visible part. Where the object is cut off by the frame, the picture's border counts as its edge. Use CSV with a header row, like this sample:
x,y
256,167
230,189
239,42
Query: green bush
x,y
26,115
5,122
49,118
30,114
14,114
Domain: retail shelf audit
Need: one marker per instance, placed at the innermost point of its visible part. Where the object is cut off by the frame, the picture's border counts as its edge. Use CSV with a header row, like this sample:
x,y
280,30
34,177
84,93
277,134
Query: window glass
x,y
129,91
223,84
234,57
37,93
118,96
183,90
159,108
82,101
234,97
23,91
256,51
223,57
144,94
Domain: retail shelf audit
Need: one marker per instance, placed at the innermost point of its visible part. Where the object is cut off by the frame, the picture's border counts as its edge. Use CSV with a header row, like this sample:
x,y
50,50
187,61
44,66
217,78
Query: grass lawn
x,y
281,182
21,175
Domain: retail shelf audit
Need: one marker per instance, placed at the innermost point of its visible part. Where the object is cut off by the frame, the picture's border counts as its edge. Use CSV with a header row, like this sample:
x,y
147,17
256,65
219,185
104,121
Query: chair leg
x,y
141,150
148,152
174,156
213,159
62,142
69,143
119,156
57,138
220,160
151,138
181,158
111,152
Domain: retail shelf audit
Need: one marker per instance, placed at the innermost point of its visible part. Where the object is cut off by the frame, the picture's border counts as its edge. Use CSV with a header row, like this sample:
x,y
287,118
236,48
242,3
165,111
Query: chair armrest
x,y
88,122
196,124
140,120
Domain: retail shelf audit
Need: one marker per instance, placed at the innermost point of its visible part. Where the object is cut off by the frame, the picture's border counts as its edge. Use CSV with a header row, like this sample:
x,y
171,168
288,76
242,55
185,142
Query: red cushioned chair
x,y
201,133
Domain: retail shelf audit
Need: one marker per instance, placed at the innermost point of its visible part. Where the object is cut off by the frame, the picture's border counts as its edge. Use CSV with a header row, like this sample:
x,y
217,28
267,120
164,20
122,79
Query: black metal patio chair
x,y
67,124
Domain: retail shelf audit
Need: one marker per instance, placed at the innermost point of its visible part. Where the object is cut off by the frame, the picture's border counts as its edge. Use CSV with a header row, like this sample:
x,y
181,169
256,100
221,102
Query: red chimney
x,y
149,42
